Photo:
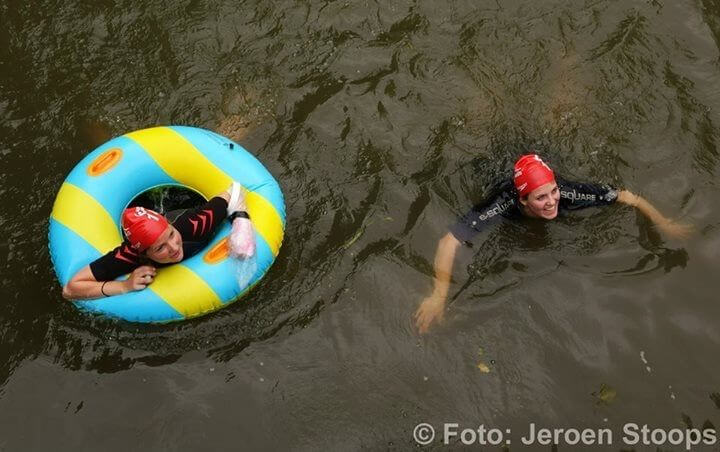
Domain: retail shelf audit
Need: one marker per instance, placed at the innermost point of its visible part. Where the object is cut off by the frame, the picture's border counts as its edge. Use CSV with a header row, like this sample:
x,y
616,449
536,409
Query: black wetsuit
x,y
504,203
196,227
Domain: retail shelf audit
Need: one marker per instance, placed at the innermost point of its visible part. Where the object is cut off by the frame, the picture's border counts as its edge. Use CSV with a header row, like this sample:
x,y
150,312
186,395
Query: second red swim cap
x,y
142,227
530,173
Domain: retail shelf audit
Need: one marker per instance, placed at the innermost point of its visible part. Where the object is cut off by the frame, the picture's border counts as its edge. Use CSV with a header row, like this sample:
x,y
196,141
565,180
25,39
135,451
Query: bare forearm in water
x,y
664,224
432,308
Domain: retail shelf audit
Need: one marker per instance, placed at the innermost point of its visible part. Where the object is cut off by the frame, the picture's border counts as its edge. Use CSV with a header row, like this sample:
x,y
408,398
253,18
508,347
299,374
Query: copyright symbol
x,y
424,434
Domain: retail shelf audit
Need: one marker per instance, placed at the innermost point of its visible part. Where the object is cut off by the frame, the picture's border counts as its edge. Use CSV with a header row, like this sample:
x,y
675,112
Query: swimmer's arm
x,y
433,307
666,225
443,265
84,286
641,204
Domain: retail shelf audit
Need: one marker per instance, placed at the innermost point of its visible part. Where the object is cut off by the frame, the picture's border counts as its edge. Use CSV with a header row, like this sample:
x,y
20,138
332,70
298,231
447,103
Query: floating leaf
x,y
606,394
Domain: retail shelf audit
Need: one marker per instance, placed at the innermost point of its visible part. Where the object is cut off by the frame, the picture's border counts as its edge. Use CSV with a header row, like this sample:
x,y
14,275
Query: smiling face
x,y
167,249
542,202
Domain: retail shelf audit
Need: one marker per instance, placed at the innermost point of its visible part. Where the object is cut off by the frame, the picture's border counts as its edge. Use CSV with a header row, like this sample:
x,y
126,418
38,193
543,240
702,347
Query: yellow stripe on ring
x,y
187,165
85,216
181,160
185,291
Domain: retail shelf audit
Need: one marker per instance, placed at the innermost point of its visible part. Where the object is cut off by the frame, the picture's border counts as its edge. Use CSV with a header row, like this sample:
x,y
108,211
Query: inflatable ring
x,y
84,223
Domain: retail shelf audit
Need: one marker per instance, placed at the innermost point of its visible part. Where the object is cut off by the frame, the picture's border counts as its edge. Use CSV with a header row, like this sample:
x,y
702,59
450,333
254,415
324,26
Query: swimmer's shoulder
x,y
501,190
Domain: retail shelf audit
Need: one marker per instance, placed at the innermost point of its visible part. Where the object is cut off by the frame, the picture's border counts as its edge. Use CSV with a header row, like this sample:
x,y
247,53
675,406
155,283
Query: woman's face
x,y
543,201
167,249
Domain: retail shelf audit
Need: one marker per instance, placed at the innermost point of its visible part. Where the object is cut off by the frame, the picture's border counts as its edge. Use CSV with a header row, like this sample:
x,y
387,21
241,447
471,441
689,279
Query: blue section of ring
x,y
141,306
222,276
238,163
69,251
135,173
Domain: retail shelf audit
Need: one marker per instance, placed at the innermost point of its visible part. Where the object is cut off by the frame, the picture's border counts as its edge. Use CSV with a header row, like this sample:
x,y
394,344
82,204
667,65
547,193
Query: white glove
x,y
237,198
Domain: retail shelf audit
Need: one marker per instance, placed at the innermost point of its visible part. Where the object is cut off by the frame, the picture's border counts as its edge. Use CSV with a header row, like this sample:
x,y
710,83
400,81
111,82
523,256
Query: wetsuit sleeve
x,y
120,261
481,216
199,225
577,195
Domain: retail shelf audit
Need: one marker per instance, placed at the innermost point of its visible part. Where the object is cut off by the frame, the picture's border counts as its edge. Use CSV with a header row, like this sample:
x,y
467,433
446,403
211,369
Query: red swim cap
x,y
530,173
142,226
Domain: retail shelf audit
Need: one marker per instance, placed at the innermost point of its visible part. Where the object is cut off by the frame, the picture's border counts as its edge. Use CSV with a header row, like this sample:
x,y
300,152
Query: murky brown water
x,y
382,121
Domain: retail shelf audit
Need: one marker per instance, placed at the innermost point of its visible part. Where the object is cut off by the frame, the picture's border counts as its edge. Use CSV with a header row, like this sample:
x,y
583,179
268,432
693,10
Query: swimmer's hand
x,y
676,230
140,278
432,309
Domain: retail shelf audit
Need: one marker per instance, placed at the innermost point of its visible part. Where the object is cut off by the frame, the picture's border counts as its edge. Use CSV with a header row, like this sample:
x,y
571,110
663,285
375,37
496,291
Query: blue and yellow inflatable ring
x,y
84,223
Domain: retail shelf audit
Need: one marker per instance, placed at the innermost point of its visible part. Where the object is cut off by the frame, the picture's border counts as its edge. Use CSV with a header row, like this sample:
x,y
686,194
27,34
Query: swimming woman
x,y
151,242
534,192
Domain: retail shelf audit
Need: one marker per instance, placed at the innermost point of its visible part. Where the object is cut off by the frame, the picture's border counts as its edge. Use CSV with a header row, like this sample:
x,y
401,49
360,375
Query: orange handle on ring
x,y
218,252
105,162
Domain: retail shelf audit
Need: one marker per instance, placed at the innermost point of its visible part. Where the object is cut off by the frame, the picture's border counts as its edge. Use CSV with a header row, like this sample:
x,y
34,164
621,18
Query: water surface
x,y
382,121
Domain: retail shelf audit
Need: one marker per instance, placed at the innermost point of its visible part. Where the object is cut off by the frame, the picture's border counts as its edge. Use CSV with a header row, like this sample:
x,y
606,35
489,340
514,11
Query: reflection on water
x,y
382,122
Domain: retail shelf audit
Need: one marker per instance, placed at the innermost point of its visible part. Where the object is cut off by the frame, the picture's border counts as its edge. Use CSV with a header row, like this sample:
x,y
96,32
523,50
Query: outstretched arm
x,y
432,308
666,225
84,285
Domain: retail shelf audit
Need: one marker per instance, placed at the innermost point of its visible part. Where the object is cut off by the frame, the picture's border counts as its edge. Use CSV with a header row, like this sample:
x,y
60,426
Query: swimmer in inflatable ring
x,y
151,242
535,192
